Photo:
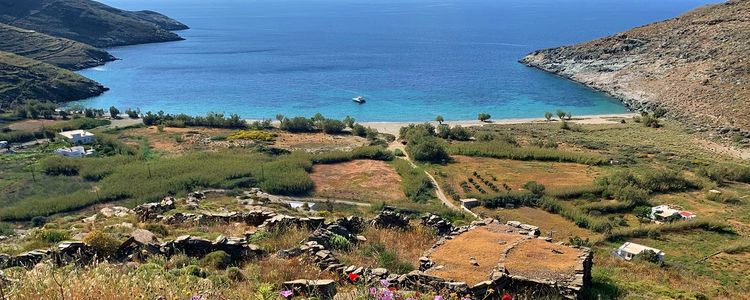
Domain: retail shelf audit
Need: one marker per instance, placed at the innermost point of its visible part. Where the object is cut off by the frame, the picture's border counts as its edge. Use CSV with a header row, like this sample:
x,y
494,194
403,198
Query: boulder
x,y
321,289
390,219
143,236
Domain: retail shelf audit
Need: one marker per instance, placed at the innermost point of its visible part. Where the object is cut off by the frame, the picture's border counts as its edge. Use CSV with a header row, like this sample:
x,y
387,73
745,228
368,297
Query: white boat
x,y
359,99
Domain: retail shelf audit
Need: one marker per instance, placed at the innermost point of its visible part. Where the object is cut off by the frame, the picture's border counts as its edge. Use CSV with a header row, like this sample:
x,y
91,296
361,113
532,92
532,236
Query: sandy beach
x,y
393,127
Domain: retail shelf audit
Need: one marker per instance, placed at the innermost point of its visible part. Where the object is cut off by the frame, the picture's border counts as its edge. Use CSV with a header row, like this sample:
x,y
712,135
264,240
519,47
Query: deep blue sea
x,y
411,59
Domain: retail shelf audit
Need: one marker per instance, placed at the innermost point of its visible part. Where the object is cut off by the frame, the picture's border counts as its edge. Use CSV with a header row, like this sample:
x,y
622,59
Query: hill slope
x,y
23,79
89,22
696,66
60,52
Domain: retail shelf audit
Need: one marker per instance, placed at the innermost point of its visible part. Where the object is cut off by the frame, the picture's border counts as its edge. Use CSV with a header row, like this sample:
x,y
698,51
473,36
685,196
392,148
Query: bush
x,y
648,256
484,117
398,152
534,187
252,135
297,124
157,229
218,260
339,242
56,165
503,149
372,152
331,126
38,221
194,270
235,274
428,149
213,120
52,236
723,197
105,244
721,173
6,229
414,182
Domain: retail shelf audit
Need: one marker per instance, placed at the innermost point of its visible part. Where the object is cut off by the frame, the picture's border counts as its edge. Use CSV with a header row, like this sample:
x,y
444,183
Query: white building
x,y
3,144
664,213
77,151
629,250
79,137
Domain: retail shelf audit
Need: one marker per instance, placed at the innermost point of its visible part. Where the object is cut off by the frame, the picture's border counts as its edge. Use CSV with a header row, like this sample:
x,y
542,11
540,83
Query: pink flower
x,y
438,297
286,293
373,291
385,282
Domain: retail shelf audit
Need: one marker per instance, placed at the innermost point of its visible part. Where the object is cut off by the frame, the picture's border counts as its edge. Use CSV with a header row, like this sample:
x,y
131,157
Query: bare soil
x,y
361,180
316,142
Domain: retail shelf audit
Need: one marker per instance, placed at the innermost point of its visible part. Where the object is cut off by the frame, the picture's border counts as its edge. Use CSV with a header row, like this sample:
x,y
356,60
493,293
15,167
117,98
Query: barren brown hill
x,y
60,52
697,66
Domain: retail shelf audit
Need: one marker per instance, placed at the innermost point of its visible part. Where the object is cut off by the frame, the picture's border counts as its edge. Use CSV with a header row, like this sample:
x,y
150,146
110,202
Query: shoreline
x,y
392,127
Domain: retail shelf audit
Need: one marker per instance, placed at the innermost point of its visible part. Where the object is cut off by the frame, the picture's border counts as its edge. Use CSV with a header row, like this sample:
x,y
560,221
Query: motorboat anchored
x,y
359,99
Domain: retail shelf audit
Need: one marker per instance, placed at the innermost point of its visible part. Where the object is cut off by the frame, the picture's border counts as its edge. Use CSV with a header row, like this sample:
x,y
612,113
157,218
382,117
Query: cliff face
x,y
89,22
697,66
60,52
24,79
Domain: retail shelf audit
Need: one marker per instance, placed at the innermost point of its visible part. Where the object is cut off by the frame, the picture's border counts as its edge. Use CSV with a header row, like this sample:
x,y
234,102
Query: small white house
x,y
77,151
470,203
629,250
664,213
79,137
3,144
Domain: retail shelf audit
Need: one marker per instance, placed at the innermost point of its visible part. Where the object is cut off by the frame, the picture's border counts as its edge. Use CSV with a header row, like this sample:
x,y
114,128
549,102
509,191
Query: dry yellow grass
x,y
559,228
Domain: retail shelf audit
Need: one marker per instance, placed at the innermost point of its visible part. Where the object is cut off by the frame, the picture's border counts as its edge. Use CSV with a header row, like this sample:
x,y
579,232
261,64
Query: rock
x,y
513,224
322,289
379,272
143,236
441,226
390,219
473,261
289,253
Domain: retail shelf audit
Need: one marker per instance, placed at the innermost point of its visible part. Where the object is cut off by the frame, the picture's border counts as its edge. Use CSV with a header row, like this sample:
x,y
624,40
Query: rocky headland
x,y
695,66
23,79
61,52
41,40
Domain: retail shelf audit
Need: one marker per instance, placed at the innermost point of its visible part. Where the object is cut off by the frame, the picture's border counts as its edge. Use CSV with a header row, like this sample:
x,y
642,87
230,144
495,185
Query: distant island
x,y
42,41
695,67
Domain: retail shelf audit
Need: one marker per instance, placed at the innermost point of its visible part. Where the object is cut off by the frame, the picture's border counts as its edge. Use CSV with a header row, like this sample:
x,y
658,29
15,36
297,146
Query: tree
x,y
484,117
568,116
279,117
560,114
548,116
349,122
63,114
332,126
429,149
439,119
89,113
114,112
359,130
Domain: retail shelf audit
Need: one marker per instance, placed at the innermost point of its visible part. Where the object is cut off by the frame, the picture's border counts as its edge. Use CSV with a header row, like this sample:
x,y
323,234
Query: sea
x,y
410,59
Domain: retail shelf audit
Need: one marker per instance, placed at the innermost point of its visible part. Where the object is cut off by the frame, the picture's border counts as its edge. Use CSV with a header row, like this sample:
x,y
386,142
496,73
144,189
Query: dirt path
x,y
438,190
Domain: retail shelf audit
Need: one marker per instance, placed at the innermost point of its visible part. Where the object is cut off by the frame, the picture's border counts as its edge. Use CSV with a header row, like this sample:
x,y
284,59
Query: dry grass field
x,y
362,180
551,225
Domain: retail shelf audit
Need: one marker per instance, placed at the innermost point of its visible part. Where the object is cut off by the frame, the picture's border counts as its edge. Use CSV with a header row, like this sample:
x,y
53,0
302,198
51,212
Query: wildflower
x,y
386,295
353,277
373,291
506,296
385,282
286,293
438,297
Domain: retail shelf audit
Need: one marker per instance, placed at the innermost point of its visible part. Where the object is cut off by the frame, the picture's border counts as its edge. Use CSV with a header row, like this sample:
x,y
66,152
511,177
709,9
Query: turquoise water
x,y
411,59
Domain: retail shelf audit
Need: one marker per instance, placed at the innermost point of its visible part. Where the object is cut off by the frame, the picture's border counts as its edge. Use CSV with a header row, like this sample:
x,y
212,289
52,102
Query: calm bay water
x,y
411,59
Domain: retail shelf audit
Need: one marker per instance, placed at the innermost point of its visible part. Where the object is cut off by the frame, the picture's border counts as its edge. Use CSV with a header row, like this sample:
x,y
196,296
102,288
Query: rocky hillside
x,y
24,79
60,52
697,66
89,22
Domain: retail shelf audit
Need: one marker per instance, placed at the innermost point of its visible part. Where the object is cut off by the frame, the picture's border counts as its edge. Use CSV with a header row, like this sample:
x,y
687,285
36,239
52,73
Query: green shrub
x,y
723,197
193,270
534,187
6,229
502,199
339,242
157,229
398,152
720,173
38,221
235,274
648,256
503,149
56,165
428,149
372,152
414,182
218,260
332,126
52,236
149,270
105,244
